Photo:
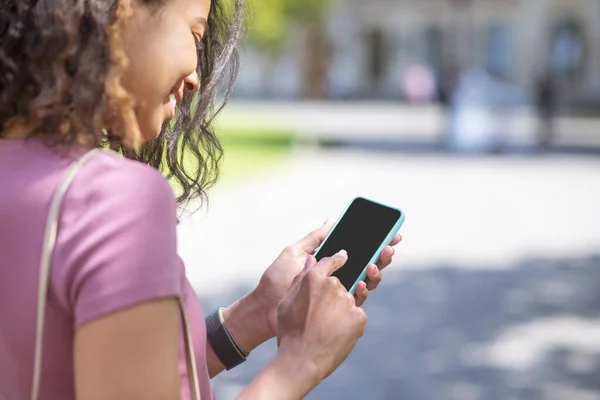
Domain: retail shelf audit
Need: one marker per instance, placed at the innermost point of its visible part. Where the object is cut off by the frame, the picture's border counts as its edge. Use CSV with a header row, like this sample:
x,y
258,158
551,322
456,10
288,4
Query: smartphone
x,y
363,230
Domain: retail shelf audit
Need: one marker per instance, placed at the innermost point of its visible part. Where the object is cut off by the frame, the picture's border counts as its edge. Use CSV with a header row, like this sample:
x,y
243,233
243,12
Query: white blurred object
x,y
482,112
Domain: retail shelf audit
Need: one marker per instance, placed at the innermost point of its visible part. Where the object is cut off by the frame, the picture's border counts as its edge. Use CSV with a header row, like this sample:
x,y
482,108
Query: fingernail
x,y
393,251
374,269
343,253
327,221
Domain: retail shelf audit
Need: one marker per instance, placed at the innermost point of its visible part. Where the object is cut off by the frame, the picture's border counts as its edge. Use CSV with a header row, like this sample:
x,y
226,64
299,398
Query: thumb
x,y
314,239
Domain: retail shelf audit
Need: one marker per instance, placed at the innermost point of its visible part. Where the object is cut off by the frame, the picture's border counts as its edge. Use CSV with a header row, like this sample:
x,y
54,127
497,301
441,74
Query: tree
x,y
268,24
272,23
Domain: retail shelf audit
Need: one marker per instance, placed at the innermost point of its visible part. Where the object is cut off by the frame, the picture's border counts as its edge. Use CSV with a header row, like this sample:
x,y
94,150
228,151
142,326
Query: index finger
x,y
329,265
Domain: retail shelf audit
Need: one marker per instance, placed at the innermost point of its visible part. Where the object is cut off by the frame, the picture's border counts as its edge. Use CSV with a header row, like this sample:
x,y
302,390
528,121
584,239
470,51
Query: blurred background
x,y
479,118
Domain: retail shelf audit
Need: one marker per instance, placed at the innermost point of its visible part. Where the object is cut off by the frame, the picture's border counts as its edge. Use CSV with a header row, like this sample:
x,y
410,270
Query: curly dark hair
x,y
60,68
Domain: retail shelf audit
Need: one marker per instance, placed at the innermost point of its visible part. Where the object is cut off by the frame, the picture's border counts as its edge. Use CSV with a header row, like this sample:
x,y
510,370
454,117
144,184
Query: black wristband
x,y
223,344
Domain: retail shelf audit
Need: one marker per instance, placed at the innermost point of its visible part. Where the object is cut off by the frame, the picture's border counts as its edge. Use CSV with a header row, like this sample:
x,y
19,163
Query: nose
x,y
191,83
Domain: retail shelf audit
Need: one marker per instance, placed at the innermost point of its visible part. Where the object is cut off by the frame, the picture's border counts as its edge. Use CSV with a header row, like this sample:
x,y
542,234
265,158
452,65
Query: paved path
x,y
493,294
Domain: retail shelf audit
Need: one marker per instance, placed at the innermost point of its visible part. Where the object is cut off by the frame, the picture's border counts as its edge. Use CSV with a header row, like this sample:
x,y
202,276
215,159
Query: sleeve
x,y
117,239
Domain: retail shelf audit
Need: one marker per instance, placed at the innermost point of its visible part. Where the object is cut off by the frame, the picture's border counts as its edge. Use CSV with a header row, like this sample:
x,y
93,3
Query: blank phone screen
x,y
360,231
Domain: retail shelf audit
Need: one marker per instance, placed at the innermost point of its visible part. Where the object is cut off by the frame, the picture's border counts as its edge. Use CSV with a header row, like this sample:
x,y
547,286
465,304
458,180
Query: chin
x,y
151,131
149,135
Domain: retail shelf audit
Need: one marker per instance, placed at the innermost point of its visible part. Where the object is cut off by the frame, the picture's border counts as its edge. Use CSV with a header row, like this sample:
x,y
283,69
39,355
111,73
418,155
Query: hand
x,y
374,271
277,278
319,322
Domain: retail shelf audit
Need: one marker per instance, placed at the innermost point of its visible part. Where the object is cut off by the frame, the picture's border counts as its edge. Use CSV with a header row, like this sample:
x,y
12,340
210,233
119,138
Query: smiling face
x,y
161,43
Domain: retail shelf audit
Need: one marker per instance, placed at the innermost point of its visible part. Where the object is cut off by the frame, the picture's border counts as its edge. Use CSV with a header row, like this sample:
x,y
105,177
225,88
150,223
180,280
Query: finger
x,y
329,265
386,256
361,293
374,277
311,261
397,239
314,239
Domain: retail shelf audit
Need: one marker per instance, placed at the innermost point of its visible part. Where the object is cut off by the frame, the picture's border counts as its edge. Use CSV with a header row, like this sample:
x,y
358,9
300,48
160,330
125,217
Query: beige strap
x,y
50,235
190,359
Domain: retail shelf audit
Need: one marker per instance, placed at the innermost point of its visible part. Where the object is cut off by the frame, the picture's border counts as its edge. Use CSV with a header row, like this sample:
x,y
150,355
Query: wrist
x,y
292,371
247,323
222,343
287,377
268,305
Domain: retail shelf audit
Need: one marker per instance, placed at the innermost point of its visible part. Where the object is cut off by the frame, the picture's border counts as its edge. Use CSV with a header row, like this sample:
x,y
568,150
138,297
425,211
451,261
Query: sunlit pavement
x,y
492,295
391,121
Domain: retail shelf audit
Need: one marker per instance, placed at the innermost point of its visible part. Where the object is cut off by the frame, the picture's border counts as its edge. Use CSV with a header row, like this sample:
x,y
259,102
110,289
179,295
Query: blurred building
x,y
374,43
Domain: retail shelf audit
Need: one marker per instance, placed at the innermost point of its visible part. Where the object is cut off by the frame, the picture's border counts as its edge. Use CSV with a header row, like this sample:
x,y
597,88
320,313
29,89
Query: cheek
x,y
153,73
182,58
147,74
150,121
160,56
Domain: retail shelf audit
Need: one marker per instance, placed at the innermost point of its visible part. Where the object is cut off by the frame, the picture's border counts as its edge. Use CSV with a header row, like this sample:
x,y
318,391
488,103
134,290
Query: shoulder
x,y
113,199
110,179
117,241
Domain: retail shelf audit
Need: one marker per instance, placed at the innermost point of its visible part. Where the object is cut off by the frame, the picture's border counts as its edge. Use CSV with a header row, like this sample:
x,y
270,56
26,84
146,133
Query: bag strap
x,y
190,358
50,235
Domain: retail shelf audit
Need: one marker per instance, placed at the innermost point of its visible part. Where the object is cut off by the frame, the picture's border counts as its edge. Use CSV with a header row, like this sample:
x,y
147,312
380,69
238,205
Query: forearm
x,y
285,378
246,322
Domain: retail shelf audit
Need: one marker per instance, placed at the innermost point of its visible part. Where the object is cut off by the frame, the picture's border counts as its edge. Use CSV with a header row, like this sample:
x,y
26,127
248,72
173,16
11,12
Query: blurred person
x,y
546,109
446,84
419,83
139,77
475,122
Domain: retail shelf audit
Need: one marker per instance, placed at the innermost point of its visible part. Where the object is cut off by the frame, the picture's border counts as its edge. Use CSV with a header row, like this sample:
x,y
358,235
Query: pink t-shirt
x,y
116,247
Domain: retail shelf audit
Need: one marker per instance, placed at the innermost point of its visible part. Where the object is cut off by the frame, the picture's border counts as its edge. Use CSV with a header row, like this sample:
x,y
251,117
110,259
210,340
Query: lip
x,y
178,95
171,113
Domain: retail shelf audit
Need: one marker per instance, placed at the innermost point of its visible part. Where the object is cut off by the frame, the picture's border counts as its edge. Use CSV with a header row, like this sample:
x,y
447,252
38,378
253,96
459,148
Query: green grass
x,y
248,152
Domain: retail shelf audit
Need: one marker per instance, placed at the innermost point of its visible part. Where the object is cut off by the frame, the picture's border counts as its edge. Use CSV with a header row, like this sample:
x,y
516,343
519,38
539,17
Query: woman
x,y
75,75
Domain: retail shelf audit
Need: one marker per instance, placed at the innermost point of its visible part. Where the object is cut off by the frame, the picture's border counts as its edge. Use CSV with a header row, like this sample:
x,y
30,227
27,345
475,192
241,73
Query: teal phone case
x,y
382,246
